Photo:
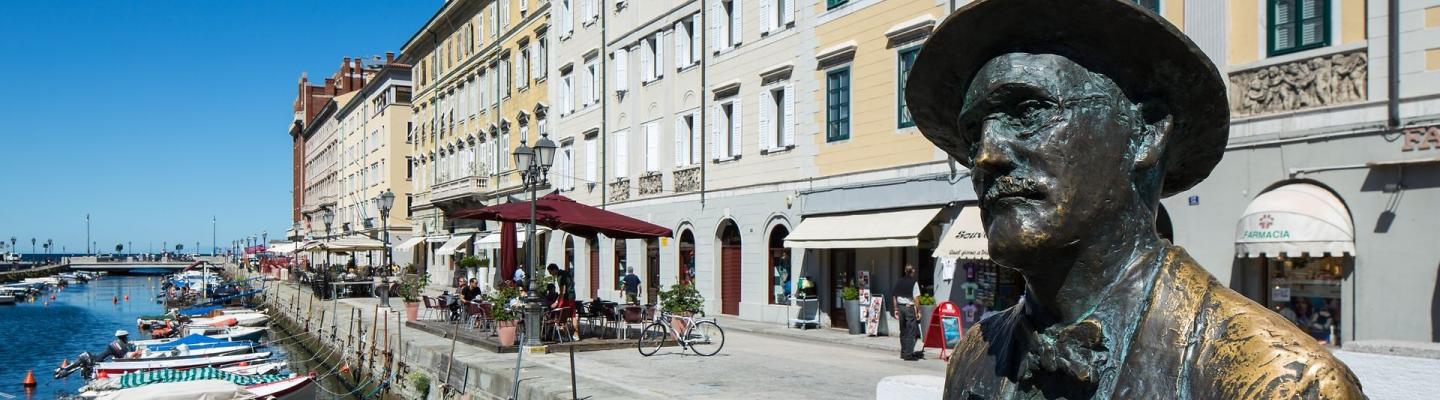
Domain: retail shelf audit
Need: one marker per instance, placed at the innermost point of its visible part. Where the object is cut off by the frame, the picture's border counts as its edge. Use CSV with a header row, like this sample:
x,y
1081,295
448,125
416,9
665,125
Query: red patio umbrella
x,y
508,257
562,213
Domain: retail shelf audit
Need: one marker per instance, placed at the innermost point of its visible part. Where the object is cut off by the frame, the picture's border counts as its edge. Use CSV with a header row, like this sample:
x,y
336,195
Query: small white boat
x,y
195,353
250,319
7,299
237,333
258,369
295,388
298,388
123,366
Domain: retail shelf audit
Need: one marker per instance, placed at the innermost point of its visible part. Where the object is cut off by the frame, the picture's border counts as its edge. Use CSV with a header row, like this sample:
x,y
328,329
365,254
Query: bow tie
x,y
1069,357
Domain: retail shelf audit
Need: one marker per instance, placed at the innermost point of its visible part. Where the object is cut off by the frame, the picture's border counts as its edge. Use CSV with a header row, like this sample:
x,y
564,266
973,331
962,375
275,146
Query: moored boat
x,y
123,366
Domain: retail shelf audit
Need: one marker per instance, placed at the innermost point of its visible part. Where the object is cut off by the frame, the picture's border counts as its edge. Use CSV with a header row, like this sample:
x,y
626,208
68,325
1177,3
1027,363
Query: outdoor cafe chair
x,y
631,315
558,322
472,314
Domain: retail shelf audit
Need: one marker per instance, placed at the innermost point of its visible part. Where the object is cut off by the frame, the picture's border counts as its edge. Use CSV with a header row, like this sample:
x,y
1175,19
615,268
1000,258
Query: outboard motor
x,y
85,363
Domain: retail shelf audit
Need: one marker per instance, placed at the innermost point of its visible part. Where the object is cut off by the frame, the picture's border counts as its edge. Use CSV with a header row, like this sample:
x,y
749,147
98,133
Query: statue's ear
x,y
1155,132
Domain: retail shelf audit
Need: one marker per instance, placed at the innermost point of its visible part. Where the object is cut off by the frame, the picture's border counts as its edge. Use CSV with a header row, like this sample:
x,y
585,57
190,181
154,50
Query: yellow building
x,y
372,156
480,89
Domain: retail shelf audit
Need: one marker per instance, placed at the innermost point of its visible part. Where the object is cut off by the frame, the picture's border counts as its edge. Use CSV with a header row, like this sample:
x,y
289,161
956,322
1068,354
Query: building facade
x,y
309,101
372,159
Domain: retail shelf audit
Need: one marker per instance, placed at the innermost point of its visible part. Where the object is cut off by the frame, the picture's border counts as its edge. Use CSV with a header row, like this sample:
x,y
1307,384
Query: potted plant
x,y
681,300
927,307
421,382
851,295
411,285
502,313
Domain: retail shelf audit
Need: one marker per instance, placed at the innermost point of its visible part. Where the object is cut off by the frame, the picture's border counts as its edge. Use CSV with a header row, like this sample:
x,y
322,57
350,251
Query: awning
x,y
437,239
1295,220
862,230
966,238
493,241
411,242
283,248
350,243
453,244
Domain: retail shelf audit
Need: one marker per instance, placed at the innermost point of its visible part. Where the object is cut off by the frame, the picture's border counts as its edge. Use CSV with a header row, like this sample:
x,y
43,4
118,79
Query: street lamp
x,y
383,202
534,164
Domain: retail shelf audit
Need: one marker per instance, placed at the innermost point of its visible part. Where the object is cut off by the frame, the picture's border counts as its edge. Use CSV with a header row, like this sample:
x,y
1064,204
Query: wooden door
x,y
594,270
730,279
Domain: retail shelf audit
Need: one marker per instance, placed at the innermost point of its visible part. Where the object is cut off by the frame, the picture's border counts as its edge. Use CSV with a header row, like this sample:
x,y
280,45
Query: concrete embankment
x,y
380,351
37,272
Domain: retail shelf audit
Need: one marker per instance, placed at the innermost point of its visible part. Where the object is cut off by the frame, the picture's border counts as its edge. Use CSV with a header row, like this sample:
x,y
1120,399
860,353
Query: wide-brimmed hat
x,y
1149,58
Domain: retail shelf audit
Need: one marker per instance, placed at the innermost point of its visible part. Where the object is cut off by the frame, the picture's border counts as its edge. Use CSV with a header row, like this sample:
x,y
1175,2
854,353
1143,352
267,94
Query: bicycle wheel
x,y
652,338
706,338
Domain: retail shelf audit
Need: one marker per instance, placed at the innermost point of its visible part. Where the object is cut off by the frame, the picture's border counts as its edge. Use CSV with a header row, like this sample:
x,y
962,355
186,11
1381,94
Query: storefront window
x,y
1306,291
986,288
619,263
779,258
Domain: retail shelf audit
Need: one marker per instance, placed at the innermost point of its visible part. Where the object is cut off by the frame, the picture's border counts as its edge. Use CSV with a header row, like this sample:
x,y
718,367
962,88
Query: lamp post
x,y
329,218
383,202
535,164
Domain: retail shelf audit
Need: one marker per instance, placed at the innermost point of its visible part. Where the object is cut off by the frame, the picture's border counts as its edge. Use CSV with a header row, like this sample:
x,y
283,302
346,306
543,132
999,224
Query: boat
x,y
227,333
123,366
249,319
274,367
298,388
193,342
7,299
293,388
229,348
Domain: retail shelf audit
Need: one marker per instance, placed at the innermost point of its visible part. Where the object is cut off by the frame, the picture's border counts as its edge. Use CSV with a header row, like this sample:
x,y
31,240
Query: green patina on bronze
x,y
1076,117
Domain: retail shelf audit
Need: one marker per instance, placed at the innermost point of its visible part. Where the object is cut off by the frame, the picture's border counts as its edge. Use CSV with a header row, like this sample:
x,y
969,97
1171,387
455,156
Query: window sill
x,y
730,159
778,150
687,67
837,140
652,81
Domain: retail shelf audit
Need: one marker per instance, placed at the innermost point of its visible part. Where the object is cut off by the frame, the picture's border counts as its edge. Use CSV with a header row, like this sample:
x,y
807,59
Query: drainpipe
x,y
1393,59
704,95
604,133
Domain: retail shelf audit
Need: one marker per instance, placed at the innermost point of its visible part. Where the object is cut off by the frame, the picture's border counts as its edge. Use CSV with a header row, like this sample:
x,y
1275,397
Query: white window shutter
x,y
735,22
622,81
735,128
694,130
789,11
682,45
535,72
714,24
652,146
592,154
697,47
647,61
790,114
715,119
659,55
765,15
585,89
680,145
765,131
622,154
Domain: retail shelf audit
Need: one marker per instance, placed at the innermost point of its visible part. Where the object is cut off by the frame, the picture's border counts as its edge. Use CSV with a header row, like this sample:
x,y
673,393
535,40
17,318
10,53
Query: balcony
x,y
1310,82
620,189
459,188
651,183
687,180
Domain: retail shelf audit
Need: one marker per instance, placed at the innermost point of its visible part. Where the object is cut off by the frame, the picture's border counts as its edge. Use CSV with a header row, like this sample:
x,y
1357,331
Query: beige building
x,y
372,158
480,89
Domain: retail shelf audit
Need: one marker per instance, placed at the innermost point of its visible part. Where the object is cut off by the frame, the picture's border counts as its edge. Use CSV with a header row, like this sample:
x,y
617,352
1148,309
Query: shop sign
x,y
1421,138
1265,233
1280,293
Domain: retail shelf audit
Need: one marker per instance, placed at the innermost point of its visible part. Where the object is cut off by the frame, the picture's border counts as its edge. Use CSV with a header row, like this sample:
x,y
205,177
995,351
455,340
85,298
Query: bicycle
x,y
703,336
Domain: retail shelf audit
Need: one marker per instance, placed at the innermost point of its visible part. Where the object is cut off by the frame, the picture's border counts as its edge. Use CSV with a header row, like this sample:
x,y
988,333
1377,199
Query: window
x,y
1152,5
622,154
652,146
564,14
505,14
725,131
542,59
592,155
567,93
837,104
687,141
619,263
777,117
906,60
592,11
591,90
652,57
505,78
831,4
503,159
622,81
687,42
778,14
522,76
727,26
566,177
1297,25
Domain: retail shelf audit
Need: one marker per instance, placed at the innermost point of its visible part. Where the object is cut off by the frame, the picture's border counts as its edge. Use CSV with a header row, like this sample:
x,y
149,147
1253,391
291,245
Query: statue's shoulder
x,y
1244,350
978,363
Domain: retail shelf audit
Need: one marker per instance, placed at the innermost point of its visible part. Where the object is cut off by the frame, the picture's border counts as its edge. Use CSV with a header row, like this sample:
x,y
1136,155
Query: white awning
x,y
352,243
1295,220
437,239
966,238
493,241
283,248
453,244
411,242
862,230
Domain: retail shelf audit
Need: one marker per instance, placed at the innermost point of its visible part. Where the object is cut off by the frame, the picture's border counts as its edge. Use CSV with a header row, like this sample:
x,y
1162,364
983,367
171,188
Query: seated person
x,y
470,291
550,294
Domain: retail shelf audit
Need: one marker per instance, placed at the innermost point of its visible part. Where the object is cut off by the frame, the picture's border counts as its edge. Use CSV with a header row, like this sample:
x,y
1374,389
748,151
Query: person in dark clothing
x,y
470,291
118,349
632,287
905,306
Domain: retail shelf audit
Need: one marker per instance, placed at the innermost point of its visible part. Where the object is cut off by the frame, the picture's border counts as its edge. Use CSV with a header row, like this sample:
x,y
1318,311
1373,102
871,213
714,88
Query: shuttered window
x,y
1297,25
837,104
906,60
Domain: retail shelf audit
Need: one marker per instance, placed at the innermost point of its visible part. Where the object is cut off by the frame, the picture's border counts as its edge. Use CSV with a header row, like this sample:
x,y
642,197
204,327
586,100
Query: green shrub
x,y
682,298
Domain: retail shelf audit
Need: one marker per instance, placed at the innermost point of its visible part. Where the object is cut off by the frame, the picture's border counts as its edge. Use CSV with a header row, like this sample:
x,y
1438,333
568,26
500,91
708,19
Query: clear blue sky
x,y
152,116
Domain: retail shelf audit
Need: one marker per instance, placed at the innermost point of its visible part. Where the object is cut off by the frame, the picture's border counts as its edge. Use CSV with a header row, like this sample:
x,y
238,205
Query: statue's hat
x,y
1149,58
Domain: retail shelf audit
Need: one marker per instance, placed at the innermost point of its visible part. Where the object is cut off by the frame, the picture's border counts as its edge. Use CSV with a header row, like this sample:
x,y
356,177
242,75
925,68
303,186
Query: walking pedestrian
x,y
905,306
632,287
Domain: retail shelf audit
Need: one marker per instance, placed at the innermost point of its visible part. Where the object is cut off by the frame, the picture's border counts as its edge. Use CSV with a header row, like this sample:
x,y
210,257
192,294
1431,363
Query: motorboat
x,y
232,334
123,366
249,319
206,383
274,367
7,299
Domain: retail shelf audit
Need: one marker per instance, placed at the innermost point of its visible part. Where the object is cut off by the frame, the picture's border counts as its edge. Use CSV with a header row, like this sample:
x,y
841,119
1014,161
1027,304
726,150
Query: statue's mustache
x,y
1013,186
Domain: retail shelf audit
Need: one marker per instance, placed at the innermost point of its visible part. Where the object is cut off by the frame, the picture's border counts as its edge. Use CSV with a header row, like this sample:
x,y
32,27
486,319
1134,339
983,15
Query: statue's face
x,y
1051,152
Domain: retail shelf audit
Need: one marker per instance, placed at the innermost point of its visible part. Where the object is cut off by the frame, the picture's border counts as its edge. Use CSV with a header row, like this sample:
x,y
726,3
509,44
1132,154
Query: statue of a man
x,y
1076,117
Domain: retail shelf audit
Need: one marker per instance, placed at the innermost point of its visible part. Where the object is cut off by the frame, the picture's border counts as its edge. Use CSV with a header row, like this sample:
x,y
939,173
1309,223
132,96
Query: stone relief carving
x,y
1313,82
651,183
687,180
620,190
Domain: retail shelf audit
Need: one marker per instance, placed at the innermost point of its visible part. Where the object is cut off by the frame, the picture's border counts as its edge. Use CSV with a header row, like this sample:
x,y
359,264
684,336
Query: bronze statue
x,y
1076,117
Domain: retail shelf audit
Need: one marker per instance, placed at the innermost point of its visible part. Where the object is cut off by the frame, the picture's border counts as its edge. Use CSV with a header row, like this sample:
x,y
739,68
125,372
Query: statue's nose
x,y
995,154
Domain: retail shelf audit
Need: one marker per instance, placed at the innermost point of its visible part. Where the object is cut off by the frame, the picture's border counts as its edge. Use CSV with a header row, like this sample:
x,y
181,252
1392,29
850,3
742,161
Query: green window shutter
x,y
1297,25
906,61
830,4
837,99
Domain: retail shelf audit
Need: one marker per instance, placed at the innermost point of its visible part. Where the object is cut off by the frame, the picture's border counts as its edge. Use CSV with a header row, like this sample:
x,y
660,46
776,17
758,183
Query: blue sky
x,y
152,116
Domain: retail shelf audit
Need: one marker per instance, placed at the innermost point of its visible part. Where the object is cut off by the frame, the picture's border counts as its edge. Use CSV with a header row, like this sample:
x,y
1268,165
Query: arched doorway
x,y
620,263
685,271
652,270
730,271
781,276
